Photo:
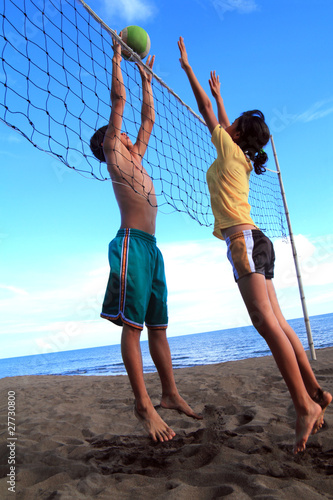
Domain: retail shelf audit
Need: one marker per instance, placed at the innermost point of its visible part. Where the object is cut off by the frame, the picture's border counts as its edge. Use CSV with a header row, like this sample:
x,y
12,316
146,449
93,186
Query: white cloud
x,y
203,296
202,291
317,111
239,6
8,290
68,335
282,118
130,10
315,261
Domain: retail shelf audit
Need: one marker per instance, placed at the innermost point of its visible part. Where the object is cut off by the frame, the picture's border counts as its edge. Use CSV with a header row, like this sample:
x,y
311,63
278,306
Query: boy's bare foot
x,y
154,425
323,398
305,425
176,402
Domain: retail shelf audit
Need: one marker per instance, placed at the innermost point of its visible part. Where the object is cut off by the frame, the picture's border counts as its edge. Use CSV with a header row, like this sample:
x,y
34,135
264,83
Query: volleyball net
x,y
56,59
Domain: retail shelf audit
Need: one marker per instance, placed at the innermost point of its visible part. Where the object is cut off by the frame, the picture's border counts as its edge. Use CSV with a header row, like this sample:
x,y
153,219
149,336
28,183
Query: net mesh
x,y
55,90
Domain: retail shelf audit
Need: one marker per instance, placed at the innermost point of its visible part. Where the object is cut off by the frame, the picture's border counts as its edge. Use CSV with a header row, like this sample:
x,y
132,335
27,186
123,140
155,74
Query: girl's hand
x,y
183,54
215,85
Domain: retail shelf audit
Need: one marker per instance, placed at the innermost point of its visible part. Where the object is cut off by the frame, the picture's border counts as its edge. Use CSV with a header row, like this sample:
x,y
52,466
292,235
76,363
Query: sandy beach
x,y
77,438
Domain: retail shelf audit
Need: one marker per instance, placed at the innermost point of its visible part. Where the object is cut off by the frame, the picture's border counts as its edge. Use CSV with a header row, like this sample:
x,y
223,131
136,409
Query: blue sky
x,y
55,225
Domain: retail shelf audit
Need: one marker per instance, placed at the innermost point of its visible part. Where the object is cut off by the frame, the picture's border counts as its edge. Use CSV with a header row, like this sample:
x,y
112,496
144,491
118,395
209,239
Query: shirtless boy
x,y
136,292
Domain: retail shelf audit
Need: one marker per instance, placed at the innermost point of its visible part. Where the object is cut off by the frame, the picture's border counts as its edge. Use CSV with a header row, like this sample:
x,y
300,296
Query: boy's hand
x,y
183,54
117,48
147,75
215,85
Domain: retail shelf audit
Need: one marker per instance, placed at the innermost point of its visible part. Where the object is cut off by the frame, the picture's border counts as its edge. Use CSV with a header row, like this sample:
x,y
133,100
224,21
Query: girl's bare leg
x,y
256,297
144,409
323,398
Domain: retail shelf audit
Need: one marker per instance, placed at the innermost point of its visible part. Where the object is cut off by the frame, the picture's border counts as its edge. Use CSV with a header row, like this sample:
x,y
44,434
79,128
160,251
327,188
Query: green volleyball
x,y
137,39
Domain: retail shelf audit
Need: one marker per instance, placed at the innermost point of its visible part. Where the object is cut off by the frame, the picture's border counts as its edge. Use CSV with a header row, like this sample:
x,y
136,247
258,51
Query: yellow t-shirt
x,y
228,182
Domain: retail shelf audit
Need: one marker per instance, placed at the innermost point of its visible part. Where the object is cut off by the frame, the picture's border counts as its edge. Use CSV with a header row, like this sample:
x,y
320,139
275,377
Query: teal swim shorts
x,y
136,292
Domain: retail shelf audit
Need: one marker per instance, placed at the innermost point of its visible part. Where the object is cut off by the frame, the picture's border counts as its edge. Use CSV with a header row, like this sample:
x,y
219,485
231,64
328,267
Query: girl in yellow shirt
x,y
250,252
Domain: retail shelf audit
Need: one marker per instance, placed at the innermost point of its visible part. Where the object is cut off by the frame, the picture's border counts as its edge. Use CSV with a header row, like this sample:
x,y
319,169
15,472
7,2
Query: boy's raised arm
x,y
147,109
118,96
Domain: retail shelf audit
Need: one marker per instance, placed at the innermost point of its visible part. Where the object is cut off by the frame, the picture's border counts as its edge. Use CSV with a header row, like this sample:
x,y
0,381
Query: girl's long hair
x,y
254,135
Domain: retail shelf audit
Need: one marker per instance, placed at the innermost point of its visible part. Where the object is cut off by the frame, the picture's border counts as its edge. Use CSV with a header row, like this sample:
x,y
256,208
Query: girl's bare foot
x,y
157,429
323,398
304,426
176,402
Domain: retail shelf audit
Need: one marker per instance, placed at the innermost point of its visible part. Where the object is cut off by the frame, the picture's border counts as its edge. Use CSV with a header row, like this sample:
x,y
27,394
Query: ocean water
x,y
188,350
